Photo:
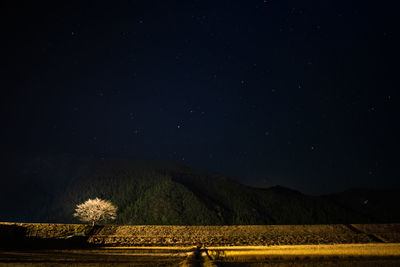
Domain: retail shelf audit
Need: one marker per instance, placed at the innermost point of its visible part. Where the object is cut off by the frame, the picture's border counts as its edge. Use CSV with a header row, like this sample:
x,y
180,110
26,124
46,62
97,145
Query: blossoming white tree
x,y
96,210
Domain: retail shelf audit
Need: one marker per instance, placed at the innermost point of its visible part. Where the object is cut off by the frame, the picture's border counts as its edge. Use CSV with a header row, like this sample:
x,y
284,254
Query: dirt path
x,y
356,230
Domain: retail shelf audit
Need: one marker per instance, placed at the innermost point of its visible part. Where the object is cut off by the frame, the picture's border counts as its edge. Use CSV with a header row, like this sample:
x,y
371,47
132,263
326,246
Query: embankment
x,y
80,235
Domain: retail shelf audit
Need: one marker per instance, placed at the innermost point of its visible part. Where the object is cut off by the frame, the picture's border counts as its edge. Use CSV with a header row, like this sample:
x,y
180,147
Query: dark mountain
x,y
48,189
380,206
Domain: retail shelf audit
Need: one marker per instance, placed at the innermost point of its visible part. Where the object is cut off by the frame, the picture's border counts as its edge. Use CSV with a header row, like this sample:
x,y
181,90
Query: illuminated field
x,y
307,255
152,245
356,250
235,235
295,255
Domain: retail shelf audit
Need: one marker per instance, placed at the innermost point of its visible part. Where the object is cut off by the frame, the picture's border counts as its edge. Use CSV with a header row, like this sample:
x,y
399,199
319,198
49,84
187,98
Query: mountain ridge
x,y
167,193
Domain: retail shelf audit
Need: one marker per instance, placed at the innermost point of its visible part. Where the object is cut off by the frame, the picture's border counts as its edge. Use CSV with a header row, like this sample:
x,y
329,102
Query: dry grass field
x,y
259,245
312,254
289,255
260,235
94,257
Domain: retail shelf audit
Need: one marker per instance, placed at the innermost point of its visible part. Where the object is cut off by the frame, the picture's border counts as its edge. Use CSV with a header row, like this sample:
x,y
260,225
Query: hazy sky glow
x,y
296,93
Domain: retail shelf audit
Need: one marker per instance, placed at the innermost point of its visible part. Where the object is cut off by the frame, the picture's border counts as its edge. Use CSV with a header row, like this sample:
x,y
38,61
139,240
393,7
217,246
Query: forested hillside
x,y
168,193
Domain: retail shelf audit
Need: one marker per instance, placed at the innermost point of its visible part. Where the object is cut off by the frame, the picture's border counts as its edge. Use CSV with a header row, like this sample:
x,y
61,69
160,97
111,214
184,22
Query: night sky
x,y
297,93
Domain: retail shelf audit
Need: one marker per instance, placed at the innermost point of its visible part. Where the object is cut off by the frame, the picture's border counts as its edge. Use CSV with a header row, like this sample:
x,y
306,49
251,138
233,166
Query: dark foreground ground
x,y
289,245
92,257
186,257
